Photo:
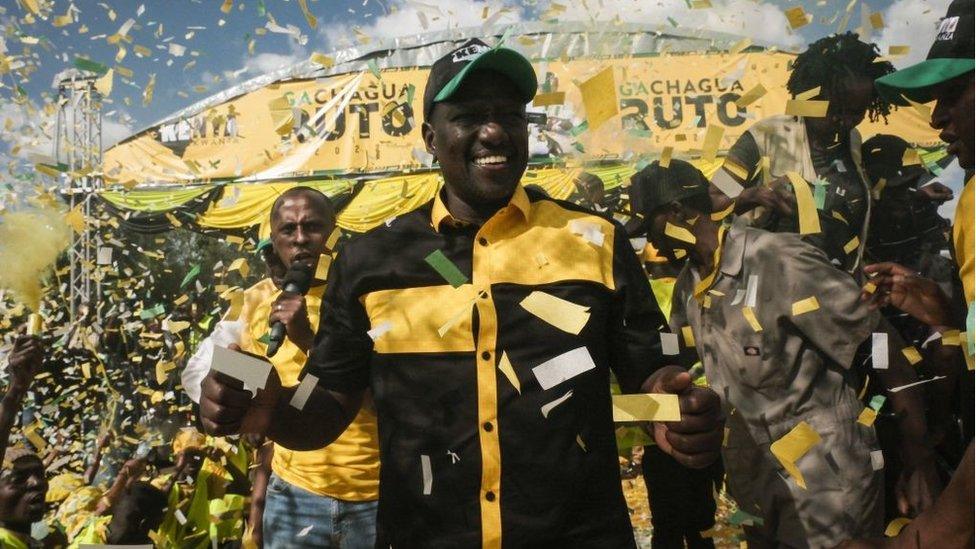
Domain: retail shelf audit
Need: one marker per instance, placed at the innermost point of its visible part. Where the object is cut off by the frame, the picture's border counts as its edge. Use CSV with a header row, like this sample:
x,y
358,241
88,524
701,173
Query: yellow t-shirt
x,y
349,468
964,241
963,238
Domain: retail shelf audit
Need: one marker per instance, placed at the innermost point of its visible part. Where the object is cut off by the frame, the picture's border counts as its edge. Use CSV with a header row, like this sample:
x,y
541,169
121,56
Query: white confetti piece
x,y
379,330
304,391
879,350
669,343
563,367
548,407
427,474
903,387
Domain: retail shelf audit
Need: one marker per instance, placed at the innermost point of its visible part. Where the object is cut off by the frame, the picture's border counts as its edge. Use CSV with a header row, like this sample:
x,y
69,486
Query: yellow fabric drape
x,y
154,200
247,204
383,199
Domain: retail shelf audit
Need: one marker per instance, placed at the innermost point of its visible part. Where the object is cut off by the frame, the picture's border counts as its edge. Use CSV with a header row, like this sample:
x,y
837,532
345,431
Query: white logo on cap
x,y
948,28
463,54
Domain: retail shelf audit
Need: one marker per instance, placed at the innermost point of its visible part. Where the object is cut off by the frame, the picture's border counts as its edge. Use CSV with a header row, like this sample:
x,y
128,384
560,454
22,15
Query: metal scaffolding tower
x,y
78,149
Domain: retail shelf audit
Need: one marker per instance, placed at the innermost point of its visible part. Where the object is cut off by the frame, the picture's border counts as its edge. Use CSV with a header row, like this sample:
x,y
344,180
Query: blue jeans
x,y
289,511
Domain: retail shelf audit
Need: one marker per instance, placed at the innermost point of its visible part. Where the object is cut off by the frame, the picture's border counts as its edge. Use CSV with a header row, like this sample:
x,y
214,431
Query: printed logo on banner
x,y
947,29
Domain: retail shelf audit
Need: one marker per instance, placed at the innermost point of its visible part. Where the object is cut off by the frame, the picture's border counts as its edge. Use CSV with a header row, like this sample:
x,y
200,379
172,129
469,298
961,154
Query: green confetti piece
x,y
579,129
447,269
411,91
740,517
190,276
636,132
261,9
672,21
819,195
578,146
148,314
630,437
266,339
91,66
265,242
374,68
877,401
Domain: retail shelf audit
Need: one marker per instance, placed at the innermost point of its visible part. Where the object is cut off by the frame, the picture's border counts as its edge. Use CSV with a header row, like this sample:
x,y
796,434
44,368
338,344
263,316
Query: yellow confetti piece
x,y
796,17
807,108
710,145
870,287
505,366
852,245
322,59
912,354
750,315
239,264
894,527
867,417
806,207
718,216
226,6
322,267
688,335
910,158
751,96
951,337
547,99
666,156
792,447
679,233
333,238
898,50
836,215
103,85
807,95
565,315
600,98
877,20
646,407
804,306
740,46
309,18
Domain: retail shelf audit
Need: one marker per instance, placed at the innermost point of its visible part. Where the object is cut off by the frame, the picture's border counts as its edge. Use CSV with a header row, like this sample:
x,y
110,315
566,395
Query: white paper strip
x,y
546,408
896,389
669,343
726,183
379,330
565,366
879,350
428,475
253,372
304,391
877,460
590,232
751,288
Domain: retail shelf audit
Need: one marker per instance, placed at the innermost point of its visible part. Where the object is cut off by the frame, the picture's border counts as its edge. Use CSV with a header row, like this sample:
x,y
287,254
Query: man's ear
x,y
428,133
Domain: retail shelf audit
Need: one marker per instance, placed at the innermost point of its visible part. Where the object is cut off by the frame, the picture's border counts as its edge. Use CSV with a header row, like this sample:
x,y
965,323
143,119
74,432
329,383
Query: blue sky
x,y
195,49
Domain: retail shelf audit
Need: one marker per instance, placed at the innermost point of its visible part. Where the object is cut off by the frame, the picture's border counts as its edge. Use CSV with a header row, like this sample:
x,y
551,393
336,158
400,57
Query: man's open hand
x,y
696,440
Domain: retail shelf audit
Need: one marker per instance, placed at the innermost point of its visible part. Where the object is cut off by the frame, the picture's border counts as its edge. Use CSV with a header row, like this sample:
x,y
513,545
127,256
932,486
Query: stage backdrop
x,y
368,122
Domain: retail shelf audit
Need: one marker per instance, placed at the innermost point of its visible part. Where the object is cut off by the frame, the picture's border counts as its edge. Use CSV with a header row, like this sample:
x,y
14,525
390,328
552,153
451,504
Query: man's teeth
x,y
498,159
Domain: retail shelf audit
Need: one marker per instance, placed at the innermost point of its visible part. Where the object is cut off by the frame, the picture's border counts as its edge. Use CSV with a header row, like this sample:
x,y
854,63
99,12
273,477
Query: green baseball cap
x,y
448,73
950,56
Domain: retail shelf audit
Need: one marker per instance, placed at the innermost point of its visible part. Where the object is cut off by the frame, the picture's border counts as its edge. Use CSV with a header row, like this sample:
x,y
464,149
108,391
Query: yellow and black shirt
x,y
495,423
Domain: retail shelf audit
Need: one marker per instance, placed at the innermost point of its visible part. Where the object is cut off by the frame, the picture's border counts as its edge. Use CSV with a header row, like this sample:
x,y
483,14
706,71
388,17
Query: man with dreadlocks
x,y
825,152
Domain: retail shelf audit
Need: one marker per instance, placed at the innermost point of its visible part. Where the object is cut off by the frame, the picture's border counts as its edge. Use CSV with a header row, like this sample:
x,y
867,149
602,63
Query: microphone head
x,y
298,278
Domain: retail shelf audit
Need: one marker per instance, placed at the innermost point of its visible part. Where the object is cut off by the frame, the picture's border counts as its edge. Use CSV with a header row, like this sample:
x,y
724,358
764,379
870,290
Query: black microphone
x,y
297,280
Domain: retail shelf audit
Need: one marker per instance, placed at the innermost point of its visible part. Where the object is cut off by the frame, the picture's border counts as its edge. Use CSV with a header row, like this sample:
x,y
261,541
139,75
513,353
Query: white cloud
x,y
264,63
911,23
408,17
